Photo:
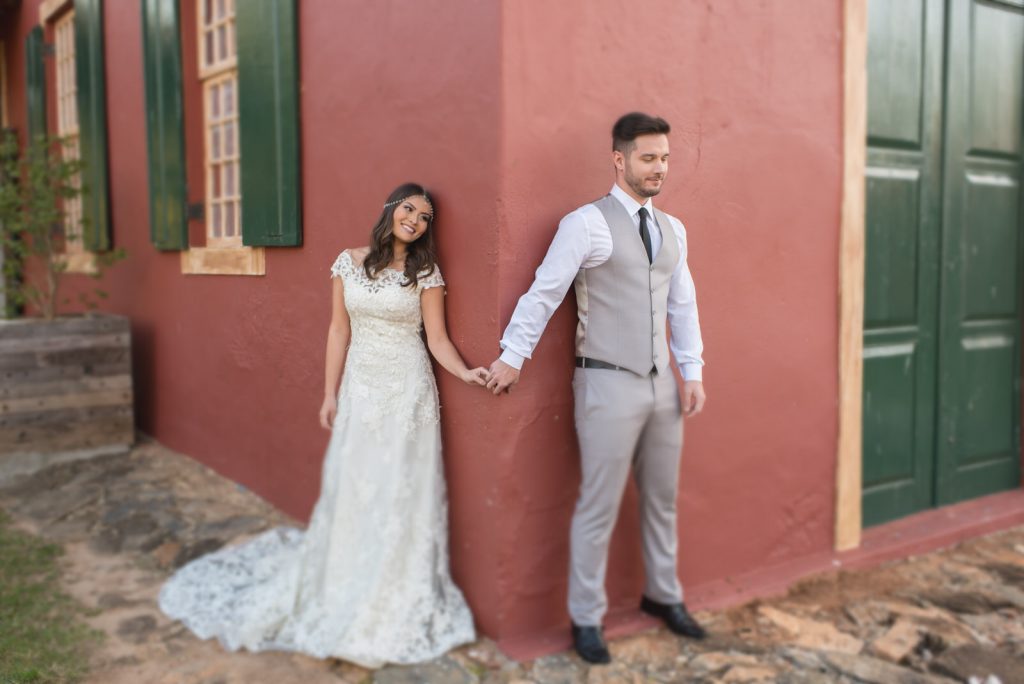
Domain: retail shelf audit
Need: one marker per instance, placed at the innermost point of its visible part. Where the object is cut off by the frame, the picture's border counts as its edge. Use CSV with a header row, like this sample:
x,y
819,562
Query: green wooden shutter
x,y
161,47
268,122
92,122
35,79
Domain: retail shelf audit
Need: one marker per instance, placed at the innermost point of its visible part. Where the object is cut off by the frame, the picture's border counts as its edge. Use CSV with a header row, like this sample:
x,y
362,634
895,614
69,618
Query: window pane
x,y
216,220
208,59
207,11
220,9
215,143
229,139
229,97
222,42
215,102
215,173
229,179
229,221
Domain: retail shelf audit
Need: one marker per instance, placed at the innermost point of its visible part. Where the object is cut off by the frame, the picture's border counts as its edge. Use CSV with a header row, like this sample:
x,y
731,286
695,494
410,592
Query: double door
x,y
944,253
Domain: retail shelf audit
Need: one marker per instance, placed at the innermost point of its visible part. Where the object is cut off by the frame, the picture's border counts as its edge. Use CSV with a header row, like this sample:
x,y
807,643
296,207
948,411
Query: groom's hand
x,y
693,397
503,376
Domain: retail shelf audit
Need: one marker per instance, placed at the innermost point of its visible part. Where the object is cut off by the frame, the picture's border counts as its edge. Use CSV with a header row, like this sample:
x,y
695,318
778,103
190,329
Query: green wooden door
x,y
980,320
942,271
901,288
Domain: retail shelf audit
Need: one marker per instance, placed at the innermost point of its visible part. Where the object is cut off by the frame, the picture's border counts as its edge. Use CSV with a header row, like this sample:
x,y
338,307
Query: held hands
x,y
693,397
328,411
501,377
475,376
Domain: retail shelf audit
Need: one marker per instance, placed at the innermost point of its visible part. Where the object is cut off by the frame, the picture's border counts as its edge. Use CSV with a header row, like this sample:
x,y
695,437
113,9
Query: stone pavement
x,y
127,521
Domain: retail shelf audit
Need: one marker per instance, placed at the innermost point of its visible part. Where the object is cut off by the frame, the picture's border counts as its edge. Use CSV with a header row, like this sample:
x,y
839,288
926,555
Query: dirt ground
x,y
126,522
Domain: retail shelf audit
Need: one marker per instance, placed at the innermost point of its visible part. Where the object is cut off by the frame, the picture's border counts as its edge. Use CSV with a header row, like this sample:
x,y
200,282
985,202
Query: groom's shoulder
x,y
583,212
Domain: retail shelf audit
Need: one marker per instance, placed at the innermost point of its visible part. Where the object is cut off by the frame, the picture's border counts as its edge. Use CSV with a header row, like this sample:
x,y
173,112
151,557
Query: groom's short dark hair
x,y
630,126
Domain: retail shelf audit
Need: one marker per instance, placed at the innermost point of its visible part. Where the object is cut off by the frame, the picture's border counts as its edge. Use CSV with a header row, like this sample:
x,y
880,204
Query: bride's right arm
x,y
338,336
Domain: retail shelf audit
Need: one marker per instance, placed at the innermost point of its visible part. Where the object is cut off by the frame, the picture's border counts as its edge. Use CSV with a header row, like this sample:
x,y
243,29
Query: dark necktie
x,y
645,235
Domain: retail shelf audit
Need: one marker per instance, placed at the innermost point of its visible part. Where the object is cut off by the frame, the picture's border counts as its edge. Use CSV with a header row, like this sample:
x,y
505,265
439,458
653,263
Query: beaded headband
x,y
425,197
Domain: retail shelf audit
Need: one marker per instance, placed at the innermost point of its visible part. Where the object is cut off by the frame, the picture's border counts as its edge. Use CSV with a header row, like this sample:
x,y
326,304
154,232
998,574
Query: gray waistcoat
x,y
623,303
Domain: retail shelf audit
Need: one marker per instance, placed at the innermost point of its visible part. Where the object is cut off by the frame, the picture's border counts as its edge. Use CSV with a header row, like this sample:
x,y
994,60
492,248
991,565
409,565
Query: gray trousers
x,y
624,422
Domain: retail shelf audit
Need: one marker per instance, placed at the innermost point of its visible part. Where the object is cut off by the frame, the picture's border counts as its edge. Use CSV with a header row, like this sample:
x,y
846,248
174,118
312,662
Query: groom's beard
x,y
636,183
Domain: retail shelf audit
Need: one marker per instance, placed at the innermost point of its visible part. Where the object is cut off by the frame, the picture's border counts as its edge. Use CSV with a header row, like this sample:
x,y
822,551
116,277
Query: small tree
x,y
35,186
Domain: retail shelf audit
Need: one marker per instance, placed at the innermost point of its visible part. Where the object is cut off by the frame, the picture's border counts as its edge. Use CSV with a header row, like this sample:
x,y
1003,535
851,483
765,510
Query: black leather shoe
x,y
675,616
589,643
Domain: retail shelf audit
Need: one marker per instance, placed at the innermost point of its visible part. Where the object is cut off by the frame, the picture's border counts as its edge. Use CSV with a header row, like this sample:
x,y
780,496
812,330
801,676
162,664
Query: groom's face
x,y
645,166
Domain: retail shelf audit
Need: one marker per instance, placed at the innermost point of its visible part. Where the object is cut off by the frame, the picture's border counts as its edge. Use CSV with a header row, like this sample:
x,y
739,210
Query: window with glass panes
x,y
219,73
67,121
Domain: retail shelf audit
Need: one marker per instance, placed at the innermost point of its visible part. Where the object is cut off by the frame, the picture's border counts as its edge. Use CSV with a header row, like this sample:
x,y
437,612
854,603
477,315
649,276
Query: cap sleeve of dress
x,y
432,280
342,266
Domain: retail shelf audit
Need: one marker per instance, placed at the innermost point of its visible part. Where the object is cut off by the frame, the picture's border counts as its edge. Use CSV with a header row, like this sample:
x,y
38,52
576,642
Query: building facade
x,y
851,192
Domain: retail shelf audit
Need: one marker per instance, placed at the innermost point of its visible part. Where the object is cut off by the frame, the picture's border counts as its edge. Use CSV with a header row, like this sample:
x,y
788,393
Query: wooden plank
x,y
45,374
115,430
71,325
59,401
71,357
64,342
851,276
65,386
64,419
27,376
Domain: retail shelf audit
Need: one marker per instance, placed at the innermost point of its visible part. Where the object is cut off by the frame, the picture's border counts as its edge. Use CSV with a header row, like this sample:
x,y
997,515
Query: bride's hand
x,y
475,376
327,412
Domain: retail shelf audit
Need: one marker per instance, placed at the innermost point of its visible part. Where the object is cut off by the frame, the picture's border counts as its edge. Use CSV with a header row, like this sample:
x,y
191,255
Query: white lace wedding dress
x,y
368,581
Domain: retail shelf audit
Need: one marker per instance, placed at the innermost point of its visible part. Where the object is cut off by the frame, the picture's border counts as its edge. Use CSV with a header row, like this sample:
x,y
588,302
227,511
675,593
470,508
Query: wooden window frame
x,y
222,255
211,28
75,259
226,163
66,90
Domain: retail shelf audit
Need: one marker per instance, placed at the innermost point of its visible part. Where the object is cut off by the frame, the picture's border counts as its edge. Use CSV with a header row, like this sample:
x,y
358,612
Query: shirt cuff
x,y
693,371
511,358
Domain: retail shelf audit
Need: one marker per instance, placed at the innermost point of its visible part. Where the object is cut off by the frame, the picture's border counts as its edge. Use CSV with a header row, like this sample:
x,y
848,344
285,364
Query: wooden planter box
x,y
65,390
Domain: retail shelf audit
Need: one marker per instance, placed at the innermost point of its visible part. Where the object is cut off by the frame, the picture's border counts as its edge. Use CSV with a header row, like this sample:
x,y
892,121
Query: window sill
x,y
78,262
249,261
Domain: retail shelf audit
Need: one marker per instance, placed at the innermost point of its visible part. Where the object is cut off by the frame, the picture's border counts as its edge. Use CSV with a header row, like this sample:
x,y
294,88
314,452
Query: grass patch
x,y
43,639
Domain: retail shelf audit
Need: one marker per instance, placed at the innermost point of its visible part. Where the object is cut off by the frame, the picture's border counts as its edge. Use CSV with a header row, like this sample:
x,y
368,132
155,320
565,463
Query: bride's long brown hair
x,y
420,258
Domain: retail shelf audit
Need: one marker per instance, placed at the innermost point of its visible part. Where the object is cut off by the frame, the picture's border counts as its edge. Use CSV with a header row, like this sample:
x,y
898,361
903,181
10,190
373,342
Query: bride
x,y
368,581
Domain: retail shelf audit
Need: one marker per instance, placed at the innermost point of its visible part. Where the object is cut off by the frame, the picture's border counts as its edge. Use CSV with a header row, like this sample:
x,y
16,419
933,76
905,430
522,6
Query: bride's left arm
x,y
440,346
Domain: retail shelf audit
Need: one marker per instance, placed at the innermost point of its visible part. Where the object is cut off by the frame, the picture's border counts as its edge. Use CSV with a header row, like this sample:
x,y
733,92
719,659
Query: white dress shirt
x,y
584,240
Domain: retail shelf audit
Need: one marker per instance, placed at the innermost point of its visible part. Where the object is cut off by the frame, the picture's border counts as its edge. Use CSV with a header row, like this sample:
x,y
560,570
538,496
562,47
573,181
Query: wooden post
x,y
851,276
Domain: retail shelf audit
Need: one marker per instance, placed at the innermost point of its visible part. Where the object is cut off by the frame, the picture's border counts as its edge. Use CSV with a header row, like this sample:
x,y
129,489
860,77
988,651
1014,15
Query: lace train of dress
x,y
368,581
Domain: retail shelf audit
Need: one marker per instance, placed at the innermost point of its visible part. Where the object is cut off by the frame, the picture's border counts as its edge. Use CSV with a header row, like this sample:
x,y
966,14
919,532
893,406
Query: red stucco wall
x,y
229,370
504,109
753,92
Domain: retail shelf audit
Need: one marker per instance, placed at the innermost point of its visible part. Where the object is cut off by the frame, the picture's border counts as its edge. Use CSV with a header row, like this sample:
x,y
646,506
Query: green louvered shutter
x,y
161,48
268,122
92,122
35,79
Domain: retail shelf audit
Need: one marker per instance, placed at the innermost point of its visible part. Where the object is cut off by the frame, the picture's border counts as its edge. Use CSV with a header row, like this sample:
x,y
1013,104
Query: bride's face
x,y
411,219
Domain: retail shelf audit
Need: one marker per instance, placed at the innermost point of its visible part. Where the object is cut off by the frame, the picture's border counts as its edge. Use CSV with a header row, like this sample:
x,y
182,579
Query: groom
x,y
627,261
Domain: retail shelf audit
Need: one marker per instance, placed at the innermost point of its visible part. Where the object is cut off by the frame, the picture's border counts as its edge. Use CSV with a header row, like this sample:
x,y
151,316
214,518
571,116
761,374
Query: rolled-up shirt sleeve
x,y
684,324
568,251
